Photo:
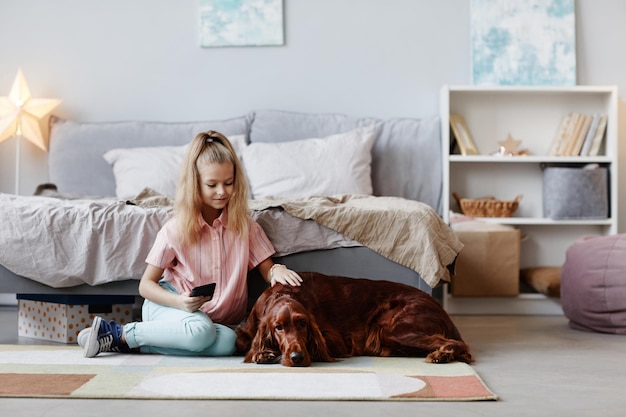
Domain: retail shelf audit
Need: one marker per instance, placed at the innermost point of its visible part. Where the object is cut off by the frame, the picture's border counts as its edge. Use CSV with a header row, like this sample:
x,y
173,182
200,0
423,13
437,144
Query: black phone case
x,y
203,290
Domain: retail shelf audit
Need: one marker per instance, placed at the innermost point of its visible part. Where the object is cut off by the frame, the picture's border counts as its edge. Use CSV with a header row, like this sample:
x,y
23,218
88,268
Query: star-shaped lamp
x,y
21,116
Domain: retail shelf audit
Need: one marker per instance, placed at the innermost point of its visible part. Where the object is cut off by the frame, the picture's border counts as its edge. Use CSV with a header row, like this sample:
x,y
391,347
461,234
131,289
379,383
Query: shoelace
x,y
105,343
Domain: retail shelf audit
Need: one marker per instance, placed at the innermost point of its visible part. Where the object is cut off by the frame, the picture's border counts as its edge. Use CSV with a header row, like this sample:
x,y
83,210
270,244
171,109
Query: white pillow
x,y
337,164
157,167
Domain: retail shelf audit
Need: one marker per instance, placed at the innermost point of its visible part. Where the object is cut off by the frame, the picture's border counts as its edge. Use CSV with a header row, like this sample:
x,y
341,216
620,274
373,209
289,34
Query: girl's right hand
x,y
192,304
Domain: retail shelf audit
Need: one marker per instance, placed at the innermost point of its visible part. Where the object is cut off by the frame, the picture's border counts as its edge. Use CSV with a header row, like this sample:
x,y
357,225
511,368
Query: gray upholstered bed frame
x,y
406,163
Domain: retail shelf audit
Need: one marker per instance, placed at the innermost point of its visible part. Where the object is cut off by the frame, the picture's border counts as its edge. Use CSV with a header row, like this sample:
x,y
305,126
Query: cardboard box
x,y
59,318
489,263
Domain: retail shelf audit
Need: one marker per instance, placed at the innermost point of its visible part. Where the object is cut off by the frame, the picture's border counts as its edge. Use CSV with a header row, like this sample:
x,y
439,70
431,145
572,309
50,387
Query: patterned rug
x,y
62,372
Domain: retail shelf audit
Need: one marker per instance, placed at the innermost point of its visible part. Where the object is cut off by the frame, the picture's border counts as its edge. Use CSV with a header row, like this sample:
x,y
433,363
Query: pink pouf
x,y
593,284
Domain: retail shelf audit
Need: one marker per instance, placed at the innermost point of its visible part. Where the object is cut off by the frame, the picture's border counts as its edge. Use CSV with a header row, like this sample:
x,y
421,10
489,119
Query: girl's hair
x,y
209,148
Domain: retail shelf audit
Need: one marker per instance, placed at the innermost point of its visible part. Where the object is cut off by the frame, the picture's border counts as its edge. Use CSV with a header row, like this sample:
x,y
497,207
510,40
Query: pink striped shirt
x,y
220,256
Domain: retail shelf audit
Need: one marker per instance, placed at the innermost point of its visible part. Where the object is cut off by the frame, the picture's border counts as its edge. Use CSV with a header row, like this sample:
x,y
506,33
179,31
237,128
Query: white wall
x,y
140,59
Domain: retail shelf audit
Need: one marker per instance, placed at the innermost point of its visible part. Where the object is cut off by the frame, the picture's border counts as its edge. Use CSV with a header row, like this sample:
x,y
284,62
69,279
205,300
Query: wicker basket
x,y
487,206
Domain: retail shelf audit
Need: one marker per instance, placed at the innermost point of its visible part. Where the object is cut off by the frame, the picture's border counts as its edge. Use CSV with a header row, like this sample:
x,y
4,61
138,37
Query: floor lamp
x,y
21,116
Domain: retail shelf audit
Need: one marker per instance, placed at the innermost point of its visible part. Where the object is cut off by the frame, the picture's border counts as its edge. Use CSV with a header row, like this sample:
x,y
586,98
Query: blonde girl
x,y
211,239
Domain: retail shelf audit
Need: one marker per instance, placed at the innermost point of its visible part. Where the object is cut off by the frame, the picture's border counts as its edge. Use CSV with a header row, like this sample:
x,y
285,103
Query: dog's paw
x,y
441,356
450,353
267,357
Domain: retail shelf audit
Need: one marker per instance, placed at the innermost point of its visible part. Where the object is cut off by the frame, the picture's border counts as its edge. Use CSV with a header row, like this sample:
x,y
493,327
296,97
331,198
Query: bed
x,y
336,194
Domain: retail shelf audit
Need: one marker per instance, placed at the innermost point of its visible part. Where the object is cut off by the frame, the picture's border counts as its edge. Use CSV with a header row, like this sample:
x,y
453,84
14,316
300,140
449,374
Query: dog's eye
x,y
301,324
278,328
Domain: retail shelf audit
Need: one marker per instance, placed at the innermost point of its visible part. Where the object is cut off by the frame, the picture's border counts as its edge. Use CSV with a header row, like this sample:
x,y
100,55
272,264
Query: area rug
x,y
62,372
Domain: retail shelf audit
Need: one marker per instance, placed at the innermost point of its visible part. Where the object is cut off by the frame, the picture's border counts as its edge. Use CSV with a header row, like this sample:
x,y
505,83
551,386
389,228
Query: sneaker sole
x,y
92,346
82,337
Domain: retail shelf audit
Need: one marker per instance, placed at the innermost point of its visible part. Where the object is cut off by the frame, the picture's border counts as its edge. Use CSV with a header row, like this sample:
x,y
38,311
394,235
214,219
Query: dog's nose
x,y
296,357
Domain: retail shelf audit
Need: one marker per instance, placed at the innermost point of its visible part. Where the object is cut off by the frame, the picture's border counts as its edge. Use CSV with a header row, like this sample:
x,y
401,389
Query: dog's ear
x,y
246,332
244,337
267,333
263,340
317,343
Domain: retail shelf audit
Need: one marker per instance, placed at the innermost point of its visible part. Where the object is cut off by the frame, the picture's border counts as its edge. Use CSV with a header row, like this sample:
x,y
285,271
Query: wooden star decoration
x,y
509,146
20,114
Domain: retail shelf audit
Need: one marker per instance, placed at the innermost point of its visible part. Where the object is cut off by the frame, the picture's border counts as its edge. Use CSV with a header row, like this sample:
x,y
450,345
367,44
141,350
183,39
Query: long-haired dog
x,y
330,317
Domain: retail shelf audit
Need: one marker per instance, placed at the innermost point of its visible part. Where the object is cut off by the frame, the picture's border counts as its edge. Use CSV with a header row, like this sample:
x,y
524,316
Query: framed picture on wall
x,y
226,23
462,134
523,42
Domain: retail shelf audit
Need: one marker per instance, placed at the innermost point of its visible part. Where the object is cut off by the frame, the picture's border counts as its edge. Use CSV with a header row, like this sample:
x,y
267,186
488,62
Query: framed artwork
x,y
462,134
523,42
241,23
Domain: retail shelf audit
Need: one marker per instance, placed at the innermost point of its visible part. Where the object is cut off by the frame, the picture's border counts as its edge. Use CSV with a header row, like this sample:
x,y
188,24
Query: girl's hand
x,y
191,304
280,273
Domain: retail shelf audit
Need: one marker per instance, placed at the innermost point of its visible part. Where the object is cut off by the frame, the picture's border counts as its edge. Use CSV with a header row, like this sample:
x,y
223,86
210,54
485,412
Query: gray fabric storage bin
x,y
575,193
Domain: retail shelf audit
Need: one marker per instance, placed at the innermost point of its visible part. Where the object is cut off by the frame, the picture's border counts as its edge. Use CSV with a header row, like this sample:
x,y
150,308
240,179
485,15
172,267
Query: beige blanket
x,y
405,231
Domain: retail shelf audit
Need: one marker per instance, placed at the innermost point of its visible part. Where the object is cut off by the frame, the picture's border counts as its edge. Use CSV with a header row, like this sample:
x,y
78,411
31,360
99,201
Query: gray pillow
x,y
406,156
76,162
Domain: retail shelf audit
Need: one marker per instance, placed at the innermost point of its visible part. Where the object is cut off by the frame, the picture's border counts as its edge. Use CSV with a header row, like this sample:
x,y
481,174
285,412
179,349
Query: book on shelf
x,y
584,150
577,140
577,133
570,129
559,138
598,136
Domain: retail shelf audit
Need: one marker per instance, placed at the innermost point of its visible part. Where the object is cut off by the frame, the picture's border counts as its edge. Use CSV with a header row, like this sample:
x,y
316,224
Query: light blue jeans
x,y
171,331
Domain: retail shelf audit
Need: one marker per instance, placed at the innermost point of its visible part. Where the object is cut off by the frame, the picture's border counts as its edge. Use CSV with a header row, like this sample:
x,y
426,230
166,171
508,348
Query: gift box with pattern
x,y
59,318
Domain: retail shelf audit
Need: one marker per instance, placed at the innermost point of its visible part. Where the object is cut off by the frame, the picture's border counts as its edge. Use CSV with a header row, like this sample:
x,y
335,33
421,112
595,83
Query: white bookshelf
x,y
532,115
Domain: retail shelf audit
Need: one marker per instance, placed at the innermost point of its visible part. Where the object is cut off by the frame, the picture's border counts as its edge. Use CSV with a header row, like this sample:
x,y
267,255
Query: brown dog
x,y
331,317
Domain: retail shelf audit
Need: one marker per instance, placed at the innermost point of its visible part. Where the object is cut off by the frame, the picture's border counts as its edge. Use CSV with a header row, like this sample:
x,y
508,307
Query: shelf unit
x,y
532,115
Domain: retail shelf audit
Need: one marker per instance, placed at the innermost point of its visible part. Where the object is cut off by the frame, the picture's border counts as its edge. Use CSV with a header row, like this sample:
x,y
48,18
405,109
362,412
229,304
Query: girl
x,y
212,238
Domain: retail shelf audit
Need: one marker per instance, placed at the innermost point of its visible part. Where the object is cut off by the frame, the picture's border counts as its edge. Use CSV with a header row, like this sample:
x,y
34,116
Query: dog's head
x,y
288,328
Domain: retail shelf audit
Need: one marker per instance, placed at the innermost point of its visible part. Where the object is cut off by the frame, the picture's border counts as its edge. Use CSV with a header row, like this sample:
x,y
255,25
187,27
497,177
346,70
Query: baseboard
x,y
524,304
8,300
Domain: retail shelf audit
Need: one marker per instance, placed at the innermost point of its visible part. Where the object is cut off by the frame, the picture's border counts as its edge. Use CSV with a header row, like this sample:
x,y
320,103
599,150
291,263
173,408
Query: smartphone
x,y
203,290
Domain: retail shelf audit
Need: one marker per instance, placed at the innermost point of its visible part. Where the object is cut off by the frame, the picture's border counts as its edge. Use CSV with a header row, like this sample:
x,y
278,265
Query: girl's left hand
x,y
280,273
